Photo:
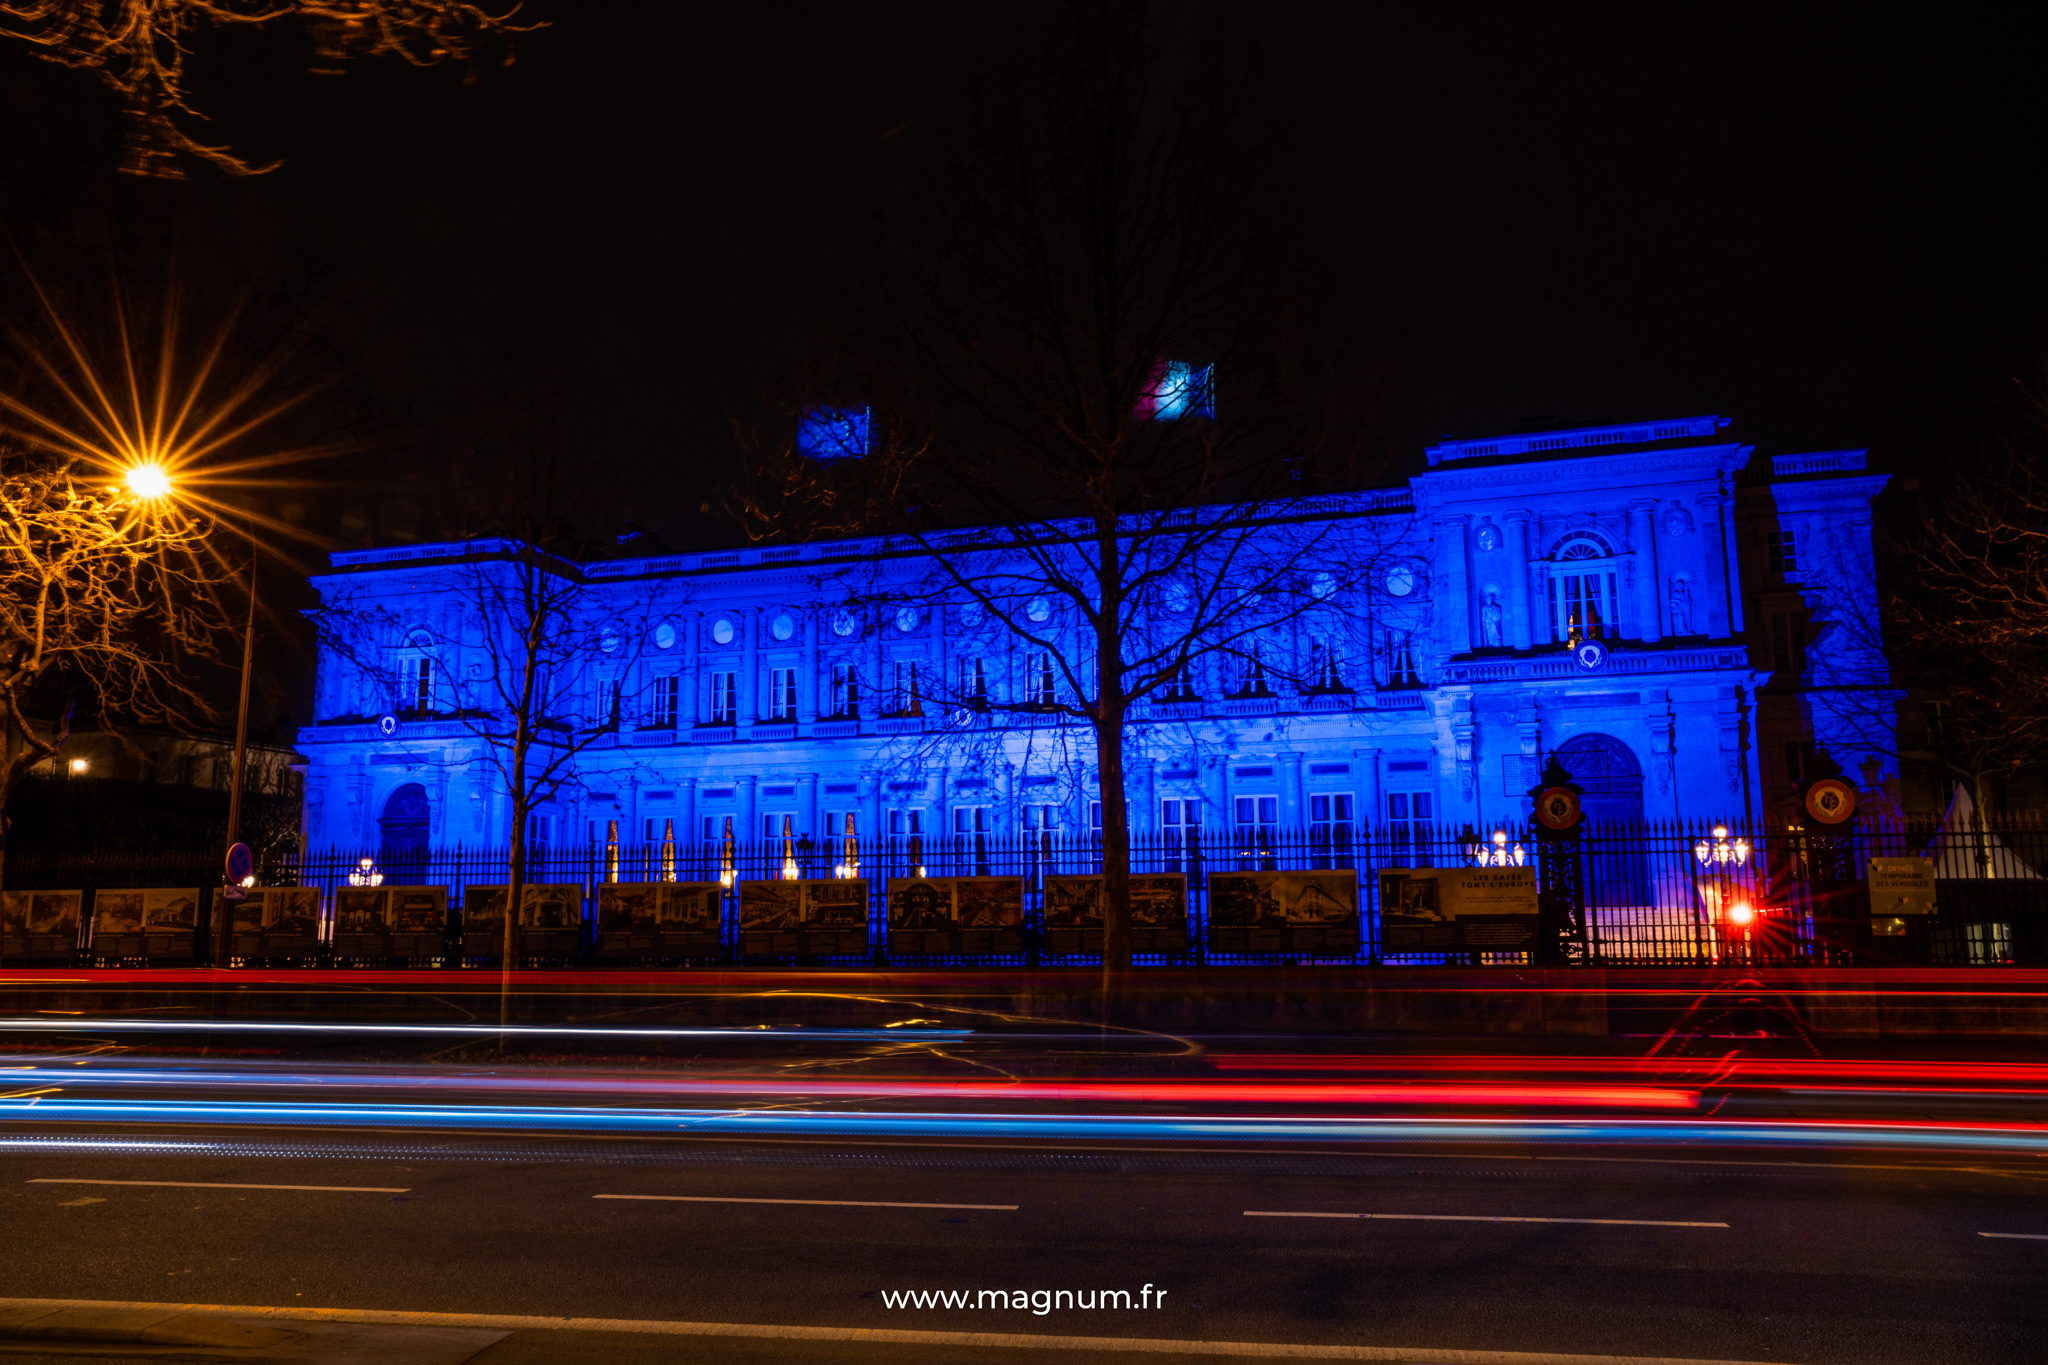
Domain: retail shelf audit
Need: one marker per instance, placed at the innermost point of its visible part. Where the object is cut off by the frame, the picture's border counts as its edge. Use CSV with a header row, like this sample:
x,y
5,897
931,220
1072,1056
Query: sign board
x,y
1557,808
1283,912
956,914
241,864
543,906
1458,909
1901,886
1831,801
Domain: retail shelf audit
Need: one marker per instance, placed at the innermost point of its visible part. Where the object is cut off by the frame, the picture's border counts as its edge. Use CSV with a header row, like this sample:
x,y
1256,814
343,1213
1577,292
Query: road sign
x,y
241,865
1557,807
1830,801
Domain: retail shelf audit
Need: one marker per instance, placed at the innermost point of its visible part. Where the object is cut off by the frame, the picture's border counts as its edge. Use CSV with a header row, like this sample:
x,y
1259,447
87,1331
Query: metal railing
x,y
1652,893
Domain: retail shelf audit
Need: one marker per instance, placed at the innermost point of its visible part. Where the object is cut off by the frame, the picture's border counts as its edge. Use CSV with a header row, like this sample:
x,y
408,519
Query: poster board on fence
x,y
1901,886
115,913
417,909
292,910
822,916
1283,911
651,909
1159,913
956,914
1458,909
361,910
546,907
40,923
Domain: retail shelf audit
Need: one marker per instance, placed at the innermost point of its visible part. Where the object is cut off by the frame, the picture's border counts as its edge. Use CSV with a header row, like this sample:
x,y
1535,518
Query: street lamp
x,y
151,482
1721,857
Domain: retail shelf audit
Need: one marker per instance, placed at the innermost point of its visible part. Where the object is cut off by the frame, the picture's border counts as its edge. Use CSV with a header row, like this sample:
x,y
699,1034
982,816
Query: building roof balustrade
x,y
1821,462
835,729
711,734
1575,438
766,731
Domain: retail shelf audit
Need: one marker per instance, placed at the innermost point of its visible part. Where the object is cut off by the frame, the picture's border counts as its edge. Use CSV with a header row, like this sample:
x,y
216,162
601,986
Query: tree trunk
x,y
515,877
1110,705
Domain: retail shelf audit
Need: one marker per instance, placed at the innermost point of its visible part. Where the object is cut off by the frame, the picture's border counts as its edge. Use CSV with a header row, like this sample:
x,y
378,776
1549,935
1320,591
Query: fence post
x,y
1560,894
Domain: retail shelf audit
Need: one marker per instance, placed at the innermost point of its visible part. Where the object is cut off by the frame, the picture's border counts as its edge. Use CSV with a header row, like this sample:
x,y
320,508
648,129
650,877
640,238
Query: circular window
x,y
1324,586
722,630
609,642
1400,581
783,626
906,618
1178,598
843,622
665,636
1038,610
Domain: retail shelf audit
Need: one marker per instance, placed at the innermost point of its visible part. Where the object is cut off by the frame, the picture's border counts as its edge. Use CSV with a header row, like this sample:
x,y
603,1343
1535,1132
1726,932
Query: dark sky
x,y
1824,222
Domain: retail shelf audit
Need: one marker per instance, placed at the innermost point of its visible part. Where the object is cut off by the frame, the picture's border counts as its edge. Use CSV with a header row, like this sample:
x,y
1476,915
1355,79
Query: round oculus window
x,y
1038,609
844,623
665,636
1400,581
1324,586
906,618
722,630
783,626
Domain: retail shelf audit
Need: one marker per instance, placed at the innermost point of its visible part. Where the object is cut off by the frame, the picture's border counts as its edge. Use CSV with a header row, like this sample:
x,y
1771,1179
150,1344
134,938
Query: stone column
x,y
807,806
686,802
1451,584
1642,524
750,667
808,690
747,829
1293,813
694,685
1717,533
1520,633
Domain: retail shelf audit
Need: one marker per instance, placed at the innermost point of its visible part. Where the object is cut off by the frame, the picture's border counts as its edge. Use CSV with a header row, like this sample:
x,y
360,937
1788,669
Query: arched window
x,y
1583,590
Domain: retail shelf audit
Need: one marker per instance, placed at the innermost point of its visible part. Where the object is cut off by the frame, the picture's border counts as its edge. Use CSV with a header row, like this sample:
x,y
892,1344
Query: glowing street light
x,y
366,874
149,482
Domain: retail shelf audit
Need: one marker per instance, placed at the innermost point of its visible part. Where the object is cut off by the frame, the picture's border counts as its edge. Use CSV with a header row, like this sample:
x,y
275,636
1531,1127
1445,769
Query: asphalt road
x,y
1857,1256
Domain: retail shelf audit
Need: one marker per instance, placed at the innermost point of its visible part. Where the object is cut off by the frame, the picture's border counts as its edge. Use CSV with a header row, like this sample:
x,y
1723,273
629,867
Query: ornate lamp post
x,y
1721,858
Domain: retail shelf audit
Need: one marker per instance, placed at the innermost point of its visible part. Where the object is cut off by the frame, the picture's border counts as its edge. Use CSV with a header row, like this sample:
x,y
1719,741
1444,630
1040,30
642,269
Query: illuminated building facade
x,y
1679,618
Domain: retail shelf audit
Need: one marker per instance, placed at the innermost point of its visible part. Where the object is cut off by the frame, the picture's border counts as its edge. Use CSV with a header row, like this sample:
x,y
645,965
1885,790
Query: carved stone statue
x,y
1489,621
1681,607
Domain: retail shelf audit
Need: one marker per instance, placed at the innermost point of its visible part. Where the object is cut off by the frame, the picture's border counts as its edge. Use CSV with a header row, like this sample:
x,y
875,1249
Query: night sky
x,y
1825,223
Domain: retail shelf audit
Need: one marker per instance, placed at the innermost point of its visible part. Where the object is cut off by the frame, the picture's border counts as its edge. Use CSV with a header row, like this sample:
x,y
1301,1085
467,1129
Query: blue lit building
x,y
1680,618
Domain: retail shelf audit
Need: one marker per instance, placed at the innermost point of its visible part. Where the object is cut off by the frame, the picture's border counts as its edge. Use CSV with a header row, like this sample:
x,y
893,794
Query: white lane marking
x,y
1486,1218
224,1185
1414,1355
837,1203
2018,1236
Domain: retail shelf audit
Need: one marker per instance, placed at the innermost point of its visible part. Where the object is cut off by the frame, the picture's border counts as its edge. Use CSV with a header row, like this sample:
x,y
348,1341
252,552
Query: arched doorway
x,y
1617,864
1607,770
403,845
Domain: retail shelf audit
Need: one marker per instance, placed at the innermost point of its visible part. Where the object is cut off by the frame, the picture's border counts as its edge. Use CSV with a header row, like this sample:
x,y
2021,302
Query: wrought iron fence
x,y
1649,893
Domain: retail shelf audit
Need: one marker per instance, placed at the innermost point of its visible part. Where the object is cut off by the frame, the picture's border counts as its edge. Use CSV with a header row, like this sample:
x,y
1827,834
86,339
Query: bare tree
x,y
138,49
106,597
1974,635
1087,419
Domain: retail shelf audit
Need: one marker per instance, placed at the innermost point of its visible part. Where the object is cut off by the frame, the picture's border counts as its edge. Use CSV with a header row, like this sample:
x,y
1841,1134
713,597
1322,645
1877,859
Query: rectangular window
x,y
970,820
717,827
1039,689
1095,817
1041,819
725,698
540,829
668,694
1788,642
1258,819
973,681
1401,670
782,694
771,823
1325,673
1409,816
906,821
904,696
1794,763
1585,602
1180,823
1784,553
419,684
1330,822
845,692
1254,676
1181,686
